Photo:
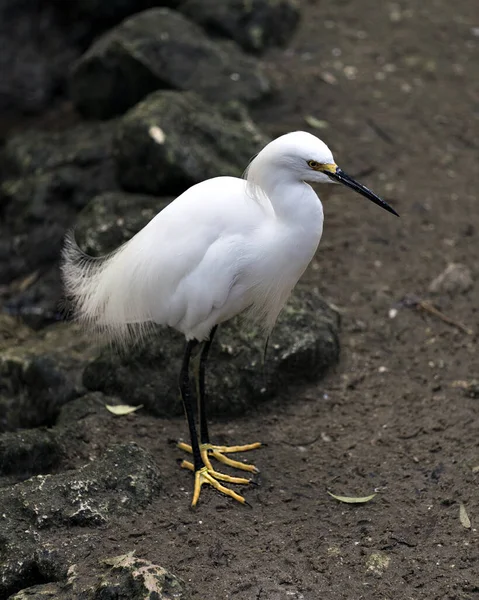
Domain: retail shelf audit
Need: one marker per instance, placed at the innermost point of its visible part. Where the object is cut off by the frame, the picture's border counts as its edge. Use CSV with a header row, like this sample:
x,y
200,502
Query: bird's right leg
x,y
207,449
204,473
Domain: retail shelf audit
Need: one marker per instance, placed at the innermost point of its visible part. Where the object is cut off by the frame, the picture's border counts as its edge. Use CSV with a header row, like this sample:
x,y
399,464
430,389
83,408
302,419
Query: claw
x,y
208,475
218,452
205,476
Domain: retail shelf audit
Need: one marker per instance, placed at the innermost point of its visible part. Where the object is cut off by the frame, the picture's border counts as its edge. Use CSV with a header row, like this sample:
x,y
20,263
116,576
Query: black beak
x,y
348,181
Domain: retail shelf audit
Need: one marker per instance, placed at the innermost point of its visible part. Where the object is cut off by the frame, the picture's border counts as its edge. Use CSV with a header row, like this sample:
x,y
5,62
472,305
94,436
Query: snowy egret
x,y
225,246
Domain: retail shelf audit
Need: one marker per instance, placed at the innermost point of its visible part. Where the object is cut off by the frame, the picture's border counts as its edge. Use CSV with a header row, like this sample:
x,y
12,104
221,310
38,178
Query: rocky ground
x,y
94,505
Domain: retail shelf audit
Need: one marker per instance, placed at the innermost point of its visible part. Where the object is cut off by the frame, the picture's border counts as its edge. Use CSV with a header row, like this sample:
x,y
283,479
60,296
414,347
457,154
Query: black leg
x,y
200,383
185,390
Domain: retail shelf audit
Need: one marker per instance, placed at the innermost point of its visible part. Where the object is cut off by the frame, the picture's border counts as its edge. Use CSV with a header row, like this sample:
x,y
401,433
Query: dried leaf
x,y
315,123
475,469
464,517
352,499
122,409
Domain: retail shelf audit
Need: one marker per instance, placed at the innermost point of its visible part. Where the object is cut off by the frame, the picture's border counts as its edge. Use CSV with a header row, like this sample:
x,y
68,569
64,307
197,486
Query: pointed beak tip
x,y
341,177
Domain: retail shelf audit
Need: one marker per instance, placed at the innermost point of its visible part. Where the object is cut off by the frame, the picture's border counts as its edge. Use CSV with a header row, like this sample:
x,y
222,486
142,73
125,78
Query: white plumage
x,y
223,246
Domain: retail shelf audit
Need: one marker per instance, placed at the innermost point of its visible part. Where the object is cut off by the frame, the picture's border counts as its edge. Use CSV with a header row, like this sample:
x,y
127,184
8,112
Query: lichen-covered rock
x,y
255,25
124,577
156,49
121,483
111,219
47,179
304,344
126,479
132,578
173,140
40,374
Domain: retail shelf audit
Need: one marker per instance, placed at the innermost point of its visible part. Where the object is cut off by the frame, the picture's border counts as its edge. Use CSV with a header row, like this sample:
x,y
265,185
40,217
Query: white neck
x,y
292,200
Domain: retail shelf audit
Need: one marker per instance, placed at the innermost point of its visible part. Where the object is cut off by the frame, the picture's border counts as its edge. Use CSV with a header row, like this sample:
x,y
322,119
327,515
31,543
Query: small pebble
x,y
456,278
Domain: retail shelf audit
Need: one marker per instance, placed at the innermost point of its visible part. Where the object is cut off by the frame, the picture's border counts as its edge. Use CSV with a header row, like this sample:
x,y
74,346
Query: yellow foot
x,y
218,452
211,477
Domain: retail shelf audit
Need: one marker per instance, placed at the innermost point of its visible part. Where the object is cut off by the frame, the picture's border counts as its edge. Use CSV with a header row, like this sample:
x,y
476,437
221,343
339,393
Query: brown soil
x,y
397,88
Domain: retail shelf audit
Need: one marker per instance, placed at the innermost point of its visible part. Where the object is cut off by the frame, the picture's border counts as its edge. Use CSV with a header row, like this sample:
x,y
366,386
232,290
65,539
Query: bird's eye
x,y
313,164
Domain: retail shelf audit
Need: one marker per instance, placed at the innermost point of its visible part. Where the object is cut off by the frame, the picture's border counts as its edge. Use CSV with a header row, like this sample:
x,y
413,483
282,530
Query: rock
x,y
255,25
39,592
377,563
29,452
132,578
42,373
126,479
304,344
111,219
95,16
455,279
79,410
158,49
36,52
48,179
121,483
173,140
123,577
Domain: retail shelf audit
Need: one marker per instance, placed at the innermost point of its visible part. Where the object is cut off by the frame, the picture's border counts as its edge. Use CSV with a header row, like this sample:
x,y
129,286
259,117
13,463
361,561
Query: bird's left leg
x,y
203,471
207,449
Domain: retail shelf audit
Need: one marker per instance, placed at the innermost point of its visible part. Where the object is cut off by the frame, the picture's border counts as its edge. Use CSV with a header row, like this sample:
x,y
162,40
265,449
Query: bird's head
x,y
311,160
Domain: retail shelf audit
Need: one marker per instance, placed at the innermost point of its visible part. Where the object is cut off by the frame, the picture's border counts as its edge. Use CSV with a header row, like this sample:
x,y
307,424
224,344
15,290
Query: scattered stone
x,y
111,219
255,25
456,279
377,563
200,141
471,389
157,49
304,344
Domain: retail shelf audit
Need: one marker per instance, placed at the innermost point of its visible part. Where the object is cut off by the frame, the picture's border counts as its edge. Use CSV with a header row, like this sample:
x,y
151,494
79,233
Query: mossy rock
x,y
161,49
304,344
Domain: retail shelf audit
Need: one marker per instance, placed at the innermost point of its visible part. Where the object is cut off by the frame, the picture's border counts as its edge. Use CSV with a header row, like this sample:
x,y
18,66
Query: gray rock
x,y
40,374
455,279
48,179
111,219
158,49
29,452
132,578
86,146
126,479
304,344
173,140
255,25
100,15
123,577
35,55
122,482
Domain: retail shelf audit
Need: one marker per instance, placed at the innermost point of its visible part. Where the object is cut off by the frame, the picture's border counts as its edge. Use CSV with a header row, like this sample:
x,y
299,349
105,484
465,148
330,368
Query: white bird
x,y
225,246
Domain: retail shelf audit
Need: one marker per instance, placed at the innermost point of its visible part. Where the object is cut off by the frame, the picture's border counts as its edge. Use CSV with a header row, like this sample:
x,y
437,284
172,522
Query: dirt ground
x,y
395,87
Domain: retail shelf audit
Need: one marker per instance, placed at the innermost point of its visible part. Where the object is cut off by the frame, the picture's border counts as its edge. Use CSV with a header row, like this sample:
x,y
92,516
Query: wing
x,y
175,271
